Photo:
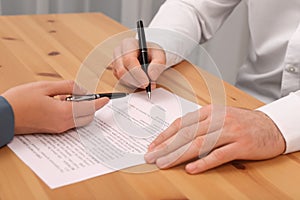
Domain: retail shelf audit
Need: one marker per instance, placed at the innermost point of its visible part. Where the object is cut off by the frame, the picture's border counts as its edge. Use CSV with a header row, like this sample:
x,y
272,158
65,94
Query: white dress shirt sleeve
x,y
285,114
187,23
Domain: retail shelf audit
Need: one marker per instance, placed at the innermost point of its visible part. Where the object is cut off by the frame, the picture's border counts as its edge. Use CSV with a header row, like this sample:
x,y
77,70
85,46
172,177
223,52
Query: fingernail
x,y
190,168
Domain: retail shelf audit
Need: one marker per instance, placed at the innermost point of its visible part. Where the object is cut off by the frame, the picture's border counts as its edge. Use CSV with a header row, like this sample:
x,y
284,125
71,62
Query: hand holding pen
x,y
127,67
143,59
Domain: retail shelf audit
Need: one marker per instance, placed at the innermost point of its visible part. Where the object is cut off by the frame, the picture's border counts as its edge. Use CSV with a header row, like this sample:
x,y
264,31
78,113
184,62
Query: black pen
x,y
143,57
89,97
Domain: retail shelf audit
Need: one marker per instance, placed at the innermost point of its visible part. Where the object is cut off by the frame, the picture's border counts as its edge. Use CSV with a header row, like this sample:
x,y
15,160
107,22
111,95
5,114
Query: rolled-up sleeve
x,y
6,122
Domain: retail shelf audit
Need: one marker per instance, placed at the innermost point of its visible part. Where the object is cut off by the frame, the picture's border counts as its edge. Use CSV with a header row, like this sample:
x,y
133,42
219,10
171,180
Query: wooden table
x,y
52,47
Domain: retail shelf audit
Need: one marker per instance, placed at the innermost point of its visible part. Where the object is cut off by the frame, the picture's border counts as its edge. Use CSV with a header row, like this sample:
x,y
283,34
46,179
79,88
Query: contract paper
x,y
117,138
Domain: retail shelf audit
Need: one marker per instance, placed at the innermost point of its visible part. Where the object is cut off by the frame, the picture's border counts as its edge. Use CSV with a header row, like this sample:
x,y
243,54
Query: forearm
x,y
6,122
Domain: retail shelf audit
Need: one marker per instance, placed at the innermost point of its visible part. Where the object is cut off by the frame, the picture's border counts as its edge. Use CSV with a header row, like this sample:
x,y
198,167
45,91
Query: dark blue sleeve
x,y
6,122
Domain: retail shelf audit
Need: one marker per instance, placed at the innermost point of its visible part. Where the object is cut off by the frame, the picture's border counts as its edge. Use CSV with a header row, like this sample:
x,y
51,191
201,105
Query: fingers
x,y
73,122
155,70
217,157
120,71
127,68
118,68
175,152
183,136
130,52
165,135
135,77
75,114
84,120
62,87
85,112
59,87
158,62
187,120
85,108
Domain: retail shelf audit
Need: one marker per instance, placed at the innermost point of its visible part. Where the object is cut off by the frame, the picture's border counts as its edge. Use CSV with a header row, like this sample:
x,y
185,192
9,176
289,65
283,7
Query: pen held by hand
x,y
143,57
89,97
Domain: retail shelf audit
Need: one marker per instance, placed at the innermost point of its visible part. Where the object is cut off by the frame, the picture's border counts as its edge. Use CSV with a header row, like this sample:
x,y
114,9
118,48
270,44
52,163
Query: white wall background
x,y
228,48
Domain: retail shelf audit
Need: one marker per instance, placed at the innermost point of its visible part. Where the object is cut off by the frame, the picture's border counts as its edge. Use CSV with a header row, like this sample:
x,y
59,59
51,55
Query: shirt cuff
x,y
7,123
285,114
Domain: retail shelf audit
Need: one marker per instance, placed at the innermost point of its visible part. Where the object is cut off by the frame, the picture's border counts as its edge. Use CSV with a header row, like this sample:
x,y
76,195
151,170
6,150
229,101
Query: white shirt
x,y
272,69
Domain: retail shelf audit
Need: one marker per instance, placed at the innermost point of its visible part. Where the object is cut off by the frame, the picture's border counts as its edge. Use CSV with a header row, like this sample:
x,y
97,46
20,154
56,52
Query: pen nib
x,y
149,95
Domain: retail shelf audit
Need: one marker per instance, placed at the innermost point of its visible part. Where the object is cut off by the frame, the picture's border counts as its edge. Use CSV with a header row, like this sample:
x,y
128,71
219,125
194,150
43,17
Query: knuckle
x,y
177,124
205,112
161,137
230,115
186,134
204,164
119,73
197,143
219,154
165,148
115,73
112,65
129,61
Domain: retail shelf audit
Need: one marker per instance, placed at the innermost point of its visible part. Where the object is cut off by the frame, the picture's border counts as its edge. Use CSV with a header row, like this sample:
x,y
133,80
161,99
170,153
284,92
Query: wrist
x,y
274,130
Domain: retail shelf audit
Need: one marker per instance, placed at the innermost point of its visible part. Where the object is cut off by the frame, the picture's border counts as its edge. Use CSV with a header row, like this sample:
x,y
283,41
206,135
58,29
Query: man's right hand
x,y
127,68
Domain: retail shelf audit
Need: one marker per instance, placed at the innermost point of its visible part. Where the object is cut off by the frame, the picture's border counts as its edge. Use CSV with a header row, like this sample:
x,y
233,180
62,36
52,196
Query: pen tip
x,y
149,95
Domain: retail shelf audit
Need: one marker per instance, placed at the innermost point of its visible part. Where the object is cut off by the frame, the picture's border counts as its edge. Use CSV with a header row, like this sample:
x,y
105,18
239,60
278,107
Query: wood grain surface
x,y
79,47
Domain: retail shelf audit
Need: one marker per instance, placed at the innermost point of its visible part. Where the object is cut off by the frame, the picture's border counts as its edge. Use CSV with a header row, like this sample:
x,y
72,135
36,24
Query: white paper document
x,y
117,138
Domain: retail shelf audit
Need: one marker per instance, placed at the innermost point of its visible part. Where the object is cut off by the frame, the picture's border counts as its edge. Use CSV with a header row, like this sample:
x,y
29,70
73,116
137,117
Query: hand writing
x,y
126,66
